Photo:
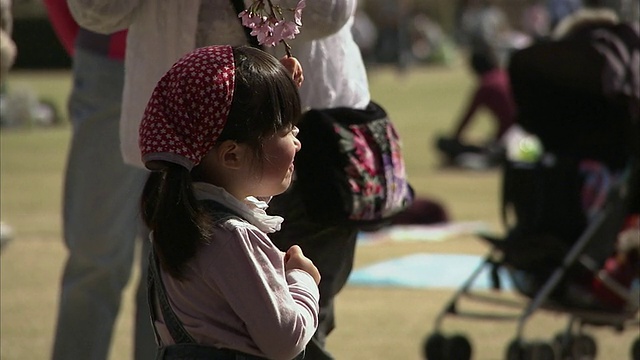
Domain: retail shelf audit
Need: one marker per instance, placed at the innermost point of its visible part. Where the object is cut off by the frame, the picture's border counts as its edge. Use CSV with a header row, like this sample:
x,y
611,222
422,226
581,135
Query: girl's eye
x,y
295,131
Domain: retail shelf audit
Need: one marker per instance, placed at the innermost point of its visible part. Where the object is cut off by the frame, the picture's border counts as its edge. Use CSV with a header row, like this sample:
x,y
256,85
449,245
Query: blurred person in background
x,y
493,93
393,44
159,33
482,23
628,11
535,20
100,202
8,49
365,34
20,107
8,54
559,9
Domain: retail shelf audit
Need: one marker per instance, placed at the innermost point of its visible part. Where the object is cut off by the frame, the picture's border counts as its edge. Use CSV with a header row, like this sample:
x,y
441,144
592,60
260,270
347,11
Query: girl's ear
x,y
231,154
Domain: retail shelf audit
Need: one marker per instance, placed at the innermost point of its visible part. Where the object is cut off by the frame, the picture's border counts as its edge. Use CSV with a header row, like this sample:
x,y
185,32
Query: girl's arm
x,y
279,309
104,16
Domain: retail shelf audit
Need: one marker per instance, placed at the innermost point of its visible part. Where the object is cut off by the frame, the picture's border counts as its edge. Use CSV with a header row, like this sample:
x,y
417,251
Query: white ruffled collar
x,y
251,209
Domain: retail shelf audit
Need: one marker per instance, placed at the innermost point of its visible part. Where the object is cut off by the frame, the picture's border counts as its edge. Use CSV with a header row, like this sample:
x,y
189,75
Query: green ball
x,y
530,149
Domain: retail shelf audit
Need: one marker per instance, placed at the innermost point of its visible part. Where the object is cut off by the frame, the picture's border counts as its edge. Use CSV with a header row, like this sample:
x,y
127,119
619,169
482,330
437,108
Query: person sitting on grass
x,y
493,92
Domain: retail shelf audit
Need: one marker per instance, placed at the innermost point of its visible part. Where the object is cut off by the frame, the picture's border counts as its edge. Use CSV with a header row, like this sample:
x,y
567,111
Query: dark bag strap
x,y
238,5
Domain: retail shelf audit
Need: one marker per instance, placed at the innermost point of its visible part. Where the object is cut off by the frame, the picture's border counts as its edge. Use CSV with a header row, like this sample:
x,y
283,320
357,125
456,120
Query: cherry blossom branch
x,y
287,47
269,25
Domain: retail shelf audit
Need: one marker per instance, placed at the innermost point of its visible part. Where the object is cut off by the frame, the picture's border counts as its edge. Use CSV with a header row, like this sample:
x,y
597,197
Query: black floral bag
x,y
350,169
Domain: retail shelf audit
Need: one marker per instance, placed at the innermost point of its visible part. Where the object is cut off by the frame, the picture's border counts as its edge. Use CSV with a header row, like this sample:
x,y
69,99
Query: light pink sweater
x,y
238,294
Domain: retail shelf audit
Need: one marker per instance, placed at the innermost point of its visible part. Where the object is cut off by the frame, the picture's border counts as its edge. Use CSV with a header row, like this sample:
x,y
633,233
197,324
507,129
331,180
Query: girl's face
x,y
276,172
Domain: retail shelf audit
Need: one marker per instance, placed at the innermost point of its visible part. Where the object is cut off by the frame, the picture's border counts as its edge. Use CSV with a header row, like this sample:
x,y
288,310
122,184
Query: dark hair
x,y
483,61
265,101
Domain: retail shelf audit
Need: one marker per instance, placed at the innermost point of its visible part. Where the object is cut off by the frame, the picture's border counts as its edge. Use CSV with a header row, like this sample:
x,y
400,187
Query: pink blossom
x,y
251,20
264,33
285,30
297,12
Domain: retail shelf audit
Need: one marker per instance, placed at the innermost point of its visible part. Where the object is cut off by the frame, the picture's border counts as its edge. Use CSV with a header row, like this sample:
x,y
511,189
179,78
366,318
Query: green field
x,y
372,323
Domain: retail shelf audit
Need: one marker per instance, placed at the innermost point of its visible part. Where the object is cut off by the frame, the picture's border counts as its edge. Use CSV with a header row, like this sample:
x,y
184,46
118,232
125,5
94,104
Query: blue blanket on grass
x,y
427,271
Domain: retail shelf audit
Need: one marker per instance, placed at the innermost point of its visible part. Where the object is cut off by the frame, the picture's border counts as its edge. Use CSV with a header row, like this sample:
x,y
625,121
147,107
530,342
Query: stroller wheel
x,y
541,351
458,347
516,350
583,347
438,347
434,347
562,344
519,350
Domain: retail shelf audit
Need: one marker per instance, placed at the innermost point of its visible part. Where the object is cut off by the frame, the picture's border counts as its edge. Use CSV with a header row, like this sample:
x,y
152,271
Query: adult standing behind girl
x,y
100,218
219,133
160,32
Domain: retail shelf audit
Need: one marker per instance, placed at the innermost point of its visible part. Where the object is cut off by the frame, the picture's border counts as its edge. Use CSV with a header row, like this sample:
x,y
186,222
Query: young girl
x,y
219,134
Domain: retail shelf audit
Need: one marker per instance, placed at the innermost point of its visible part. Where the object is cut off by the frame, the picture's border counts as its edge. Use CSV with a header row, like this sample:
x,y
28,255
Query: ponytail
x,y
171,211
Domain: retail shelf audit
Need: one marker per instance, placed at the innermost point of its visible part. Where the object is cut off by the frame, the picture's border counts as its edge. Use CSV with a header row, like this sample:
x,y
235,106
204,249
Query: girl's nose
x,y
295,131
298,144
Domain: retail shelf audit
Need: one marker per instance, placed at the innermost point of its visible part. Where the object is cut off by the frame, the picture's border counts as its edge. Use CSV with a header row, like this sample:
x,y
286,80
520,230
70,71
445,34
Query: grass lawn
x,y
372,323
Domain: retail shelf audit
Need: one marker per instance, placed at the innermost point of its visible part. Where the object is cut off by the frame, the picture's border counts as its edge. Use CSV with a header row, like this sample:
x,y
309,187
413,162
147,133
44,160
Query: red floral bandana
x,y
189,107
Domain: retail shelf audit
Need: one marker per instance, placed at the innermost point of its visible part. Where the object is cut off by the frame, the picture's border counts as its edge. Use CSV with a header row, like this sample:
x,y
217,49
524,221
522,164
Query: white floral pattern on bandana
x,y
189,107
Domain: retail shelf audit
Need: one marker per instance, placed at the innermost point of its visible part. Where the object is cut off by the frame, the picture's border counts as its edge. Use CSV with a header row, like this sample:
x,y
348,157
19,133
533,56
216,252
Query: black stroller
x,y
554,250
539,209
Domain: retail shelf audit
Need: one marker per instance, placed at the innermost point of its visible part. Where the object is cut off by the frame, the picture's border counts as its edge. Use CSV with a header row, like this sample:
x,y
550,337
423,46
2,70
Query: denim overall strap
x,y
151,289
177,331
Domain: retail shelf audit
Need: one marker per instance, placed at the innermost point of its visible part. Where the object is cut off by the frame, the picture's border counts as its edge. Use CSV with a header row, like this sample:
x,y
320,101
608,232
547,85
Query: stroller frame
x,y
572,343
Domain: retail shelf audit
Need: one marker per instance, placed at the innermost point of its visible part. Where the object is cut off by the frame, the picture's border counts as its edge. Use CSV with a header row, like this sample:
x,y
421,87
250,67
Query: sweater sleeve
x,y
104,16
280,310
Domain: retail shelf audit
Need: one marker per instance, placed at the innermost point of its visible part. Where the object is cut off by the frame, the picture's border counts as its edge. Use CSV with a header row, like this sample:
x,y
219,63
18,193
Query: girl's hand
x,y
295,259
293,65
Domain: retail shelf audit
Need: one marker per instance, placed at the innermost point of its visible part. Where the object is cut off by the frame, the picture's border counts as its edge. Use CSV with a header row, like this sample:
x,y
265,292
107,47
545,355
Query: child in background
x,y
493,93
219,134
